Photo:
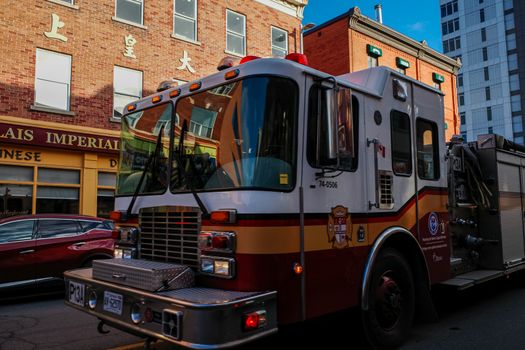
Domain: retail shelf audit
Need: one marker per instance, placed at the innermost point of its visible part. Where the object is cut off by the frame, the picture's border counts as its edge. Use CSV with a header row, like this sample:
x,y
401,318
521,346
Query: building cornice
x,y
293,8
365,25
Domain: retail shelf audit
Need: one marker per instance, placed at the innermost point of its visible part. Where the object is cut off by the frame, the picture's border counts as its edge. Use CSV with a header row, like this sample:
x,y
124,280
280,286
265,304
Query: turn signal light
x,y
227,216
115,215
195,86
248,59
231,74
297,57
156,98
254,320
175,93
298,268
132,107
217,241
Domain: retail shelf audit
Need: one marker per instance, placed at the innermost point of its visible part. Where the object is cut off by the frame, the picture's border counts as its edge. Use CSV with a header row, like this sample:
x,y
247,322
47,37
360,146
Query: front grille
x,y
169,234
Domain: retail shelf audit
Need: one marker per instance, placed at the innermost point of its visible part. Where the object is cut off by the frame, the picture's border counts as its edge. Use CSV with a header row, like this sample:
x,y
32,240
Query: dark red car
x,y
36,249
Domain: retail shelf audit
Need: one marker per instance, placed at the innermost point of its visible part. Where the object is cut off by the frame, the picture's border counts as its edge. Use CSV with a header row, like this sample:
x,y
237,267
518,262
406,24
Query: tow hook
x,y
100,328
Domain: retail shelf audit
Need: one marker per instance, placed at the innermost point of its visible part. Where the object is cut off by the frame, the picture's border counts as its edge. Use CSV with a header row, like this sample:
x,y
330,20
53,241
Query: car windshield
x,y
139,135
240,135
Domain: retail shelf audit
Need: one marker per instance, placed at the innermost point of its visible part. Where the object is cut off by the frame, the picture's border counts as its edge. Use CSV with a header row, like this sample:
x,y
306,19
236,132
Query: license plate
x,y
76,293
113,302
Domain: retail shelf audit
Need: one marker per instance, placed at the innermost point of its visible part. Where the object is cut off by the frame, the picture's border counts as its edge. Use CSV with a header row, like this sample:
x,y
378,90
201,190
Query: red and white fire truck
x,y
289,194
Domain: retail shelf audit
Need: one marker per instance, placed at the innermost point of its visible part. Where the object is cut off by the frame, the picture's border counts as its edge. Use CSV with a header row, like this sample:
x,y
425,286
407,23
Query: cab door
x,y
59,247
17,250
334,204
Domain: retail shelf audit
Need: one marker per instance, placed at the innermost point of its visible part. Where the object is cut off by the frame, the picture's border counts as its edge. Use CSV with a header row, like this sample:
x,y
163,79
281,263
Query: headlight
x,y
217,266
217,241
117,253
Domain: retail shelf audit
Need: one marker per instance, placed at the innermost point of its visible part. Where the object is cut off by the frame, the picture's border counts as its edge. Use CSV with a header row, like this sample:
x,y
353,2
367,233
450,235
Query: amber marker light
x,y
175,93
132,107
223,216
156,98
297,269
231,74
195,86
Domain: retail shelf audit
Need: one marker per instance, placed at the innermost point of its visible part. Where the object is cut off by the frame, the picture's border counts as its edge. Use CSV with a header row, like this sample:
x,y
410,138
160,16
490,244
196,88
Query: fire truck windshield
x,y
140,150
241,135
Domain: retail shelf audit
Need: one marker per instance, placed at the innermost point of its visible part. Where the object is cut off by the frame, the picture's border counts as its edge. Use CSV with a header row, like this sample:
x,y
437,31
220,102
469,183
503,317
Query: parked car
x,y
37,249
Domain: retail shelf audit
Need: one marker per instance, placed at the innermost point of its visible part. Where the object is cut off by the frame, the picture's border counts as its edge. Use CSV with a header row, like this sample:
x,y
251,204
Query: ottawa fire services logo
x,y
339,227
433,223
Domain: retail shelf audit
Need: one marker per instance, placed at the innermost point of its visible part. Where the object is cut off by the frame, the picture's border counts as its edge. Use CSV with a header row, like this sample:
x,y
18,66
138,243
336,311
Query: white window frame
x,y
68,103
195,26
287,50
127,20
372,61
236,34
115,67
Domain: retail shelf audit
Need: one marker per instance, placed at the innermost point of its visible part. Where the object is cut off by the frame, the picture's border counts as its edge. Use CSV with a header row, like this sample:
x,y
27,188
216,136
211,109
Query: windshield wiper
x,y
152,156
189,181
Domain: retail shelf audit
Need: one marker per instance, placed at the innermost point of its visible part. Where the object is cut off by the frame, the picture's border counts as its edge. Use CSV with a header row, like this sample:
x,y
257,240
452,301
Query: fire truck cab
x,y
290,193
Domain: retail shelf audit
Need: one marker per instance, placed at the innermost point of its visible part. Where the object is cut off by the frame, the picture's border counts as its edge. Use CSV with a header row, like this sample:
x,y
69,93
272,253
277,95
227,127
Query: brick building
x,y
69,66
353,42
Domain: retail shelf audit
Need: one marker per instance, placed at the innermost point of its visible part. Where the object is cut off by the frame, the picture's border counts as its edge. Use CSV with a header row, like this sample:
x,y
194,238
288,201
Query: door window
x,y
401,147
57,228
427,150
16,231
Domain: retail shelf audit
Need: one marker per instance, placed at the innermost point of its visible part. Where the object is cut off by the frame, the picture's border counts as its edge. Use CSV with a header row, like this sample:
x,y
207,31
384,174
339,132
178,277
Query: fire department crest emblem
x,y
339,227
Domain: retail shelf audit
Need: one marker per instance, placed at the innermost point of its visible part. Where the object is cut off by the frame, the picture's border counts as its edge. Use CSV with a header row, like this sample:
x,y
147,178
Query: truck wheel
x,y
388,320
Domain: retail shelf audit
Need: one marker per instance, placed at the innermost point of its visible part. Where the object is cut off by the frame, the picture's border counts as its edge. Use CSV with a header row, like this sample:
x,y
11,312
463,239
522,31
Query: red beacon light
x,y
248,59
297,57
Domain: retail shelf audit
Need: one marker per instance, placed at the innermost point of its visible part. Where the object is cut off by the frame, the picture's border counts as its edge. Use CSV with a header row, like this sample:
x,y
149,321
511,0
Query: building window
x,y
451,44
483,34
401,146
53,79
517,124
105,193
185,19
235,33
372,62
507,5
511,41
514,82
485,54
15,198
460,80
464,135
130,10
461,98
509,21
279,42
449,8
427,150
487,93
489,113
450,26
515,103
127,87
57,191
482,15
462,118
513,62
486,73
491,130
202,121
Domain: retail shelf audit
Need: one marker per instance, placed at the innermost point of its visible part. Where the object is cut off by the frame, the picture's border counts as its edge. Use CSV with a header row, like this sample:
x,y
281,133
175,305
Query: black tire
x,y
391,300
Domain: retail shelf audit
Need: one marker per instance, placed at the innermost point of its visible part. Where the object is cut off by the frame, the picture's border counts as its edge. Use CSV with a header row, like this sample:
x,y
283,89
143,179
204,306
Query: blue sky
x,y
418,19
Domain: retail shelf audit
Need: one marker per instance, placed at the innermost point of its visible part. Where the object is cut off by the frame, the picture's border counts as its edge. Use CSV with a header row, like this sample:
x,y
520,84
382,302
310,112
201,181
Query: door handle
x,y
79,244
27,251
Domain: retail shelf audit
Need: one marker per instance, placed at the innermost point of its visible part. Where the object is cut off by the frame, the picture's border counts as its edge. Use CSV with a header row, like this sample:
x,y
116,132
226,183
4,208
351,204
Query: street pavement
x,y
487,317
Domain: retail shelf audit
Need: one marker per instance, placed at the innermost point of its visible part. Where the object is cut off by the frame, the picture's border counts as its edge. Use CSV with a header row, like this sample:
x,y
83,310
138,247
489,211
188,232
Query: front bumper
x,y
198,318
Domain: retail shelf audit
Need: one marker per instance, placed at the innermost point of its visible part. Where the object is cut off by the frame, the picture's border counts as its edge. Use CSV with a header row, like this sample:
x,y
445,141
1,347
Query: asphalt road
x,y
487,317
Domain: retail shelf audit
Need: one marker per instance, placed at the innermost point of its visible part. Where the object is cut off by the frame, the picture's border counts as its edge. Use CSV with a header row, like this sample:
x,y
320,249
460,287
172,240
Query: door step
x,y
472,278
